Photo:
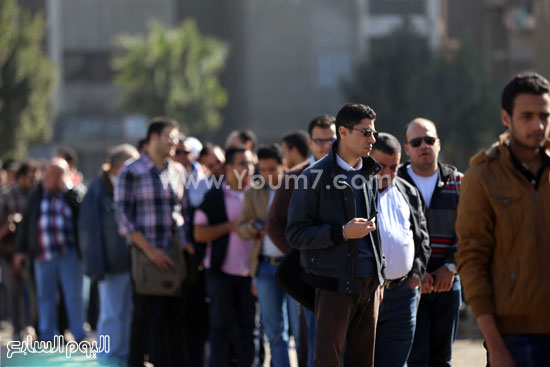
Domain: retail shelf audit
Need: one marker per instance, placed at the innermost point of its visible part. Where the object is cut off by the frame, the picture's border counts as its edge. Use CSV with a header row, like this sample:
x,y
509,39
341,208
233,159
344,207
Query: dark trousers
x,y
527,350
231,306
436,326
167,330
196,315
346,320
396,325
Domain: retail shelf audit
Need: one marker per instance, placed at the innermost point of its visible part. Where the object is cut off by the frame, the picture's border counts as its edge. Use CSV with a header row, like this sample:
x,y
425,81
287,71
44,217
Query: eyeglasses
x,y
324,141
416,142
367,132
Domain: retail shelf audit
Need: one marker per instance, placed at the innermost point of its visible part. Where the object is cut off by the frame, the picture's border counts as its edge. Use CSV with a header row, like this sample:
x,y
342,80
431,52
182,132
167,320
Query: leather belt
x,y
394,283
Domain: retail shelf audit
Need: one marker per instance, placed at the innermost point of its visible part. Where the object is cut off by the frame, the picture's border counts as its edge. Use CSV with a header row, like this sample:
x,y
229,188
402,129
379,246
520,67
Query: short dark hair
x,y
141,144
231,152
352,114
527,82
387,144
248,135
10,164
272,151
25,168
68,154
158,124
298,140
323,121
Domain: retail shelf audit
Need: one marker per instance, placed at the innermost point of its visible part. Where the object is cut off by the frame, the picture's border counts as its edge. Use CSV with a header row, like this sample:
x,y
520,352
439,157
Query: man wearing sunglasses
x,y
439,186
331,220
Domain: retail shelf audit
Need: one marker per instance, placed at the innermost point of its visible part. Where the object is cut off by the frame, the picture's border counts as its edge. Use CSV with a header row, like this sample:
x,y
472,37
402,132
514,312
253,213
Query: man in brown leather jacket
x,y
503,227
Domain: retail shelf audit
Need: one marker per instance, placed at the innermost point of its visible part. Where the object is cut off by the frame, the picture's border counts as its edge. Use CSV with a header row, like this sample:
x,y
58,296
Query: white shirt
x,y
395,231
269,248
426,185
346,167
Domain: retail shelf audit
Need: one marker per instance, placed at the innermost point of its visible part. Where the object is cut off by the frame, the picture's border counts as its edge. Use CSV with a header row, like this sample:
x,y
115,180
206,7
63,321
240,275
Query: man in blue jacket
x,y
332,217
105,256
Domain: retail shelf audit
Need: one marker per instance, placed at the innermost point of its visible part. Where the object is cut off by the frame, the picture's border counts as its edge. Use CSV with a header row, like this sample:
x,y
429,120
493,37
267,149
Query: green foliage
x,y
405,78
174,73
27,79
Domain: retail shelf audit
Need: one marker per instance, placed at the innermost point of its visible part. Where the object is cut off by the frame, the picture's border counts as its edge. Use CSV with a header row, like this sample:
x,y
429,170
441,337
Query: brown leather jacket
x,y
503,229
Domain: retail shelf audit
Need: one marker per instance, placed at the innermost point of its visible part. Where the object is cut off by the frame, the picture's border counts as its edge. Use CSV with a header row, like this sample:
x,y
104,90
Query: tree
x,y
175,73
27,79
405,78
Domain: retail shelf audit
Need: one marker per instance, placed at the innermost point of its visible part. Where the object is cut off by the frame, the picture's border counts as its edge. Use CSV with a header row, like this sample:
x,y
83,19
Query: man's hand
x,y
413,282
254,290
501,357
19,261
189,249
443,279
427,284
160,259
358,228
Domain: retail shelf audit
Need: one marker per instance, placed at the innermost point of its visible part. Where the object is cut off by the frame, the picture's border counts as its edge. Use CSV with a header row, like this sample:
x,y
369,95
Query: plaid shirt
x,y
149,200
55,227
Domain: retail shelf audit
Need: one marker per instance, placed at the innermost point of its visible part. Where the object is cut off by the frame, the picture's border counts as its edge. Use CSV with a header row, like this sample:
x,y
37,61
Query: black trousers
x,y
158,319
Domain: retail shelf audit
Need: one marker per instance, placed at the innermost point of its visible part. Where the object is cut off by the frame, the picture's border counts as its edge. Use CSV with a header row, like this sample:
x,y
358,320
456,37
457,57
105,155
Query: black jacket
x,y
419,225
27,236
319,208
441,215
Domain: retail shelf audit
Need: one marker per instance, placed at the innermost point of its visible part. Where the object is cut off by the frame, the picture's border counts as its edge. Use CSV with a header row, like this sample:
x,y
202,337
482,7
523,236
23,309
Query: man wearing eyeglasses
x,y
439,186
331,220
322,133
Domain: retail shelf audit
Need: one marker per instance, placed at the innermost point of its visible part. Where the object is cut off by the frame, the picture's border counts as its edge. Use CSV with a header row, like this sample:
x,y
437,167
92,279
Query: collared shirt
x,y
238,251
150,200
534,180
395,231
345,165
55,227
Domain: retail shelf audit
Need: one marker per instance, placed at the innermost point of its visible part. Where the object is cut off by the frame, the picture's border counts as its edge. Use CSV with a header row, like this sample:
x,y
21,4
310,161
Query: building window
x,y
87,66
332,68
397,7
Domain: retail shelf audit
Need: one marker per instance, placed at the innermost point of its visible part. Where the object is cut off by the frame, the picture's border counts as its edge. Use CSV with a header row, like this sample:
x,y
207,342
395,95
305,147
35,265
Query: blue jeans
x,y
278,310
529,350
115,316
231,305
66,269
310,321
396,325
436,326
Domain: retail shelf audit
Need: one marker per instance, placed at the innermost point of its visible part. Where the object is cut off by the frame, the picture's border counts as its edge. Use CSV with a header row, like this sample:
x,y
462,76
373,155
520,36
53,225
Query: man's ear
x,y
505,118
343,131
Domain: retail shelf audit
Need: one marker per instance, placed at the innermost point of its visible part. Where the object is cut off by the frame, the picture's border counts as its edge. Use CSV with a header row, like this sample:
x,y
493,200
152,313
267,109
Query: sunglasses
x,y
367,133
324,141
416,142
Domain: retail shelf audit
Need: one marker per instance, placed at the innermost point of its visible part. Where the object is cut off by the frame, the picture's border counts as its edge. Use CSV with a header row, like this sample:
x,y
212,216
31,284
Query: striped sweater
x,y
441,215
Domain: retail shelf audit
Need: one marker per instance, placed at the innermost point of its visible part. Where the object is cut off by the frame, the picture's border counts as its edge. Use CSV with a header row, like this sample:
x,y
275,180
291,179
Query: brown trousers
x,y
347,320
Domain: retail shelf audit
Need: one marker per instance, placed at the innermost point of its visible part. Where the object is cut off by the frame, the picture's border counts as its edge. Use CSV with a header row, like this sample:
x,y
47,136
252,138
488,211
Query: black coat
x,y
318,210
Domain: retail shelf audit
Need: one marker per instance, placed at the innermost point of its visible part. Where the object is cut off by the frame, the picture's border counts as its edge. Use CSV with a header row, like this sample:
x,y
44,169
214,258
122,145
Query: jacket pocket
x,y
330,261
505,286
509,214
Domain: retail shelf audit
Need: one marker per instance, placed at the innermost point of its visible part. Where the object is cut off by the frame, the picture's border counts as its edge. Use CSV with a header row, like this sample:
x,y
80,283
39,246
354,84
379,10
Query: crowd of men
x,y
200,252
